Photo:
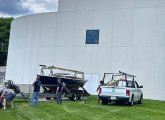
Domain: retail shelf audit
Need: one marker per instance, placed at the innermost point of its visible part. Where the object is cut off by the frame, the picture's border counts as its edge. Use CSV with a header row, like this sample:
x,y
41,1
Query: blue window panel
x,y
92,36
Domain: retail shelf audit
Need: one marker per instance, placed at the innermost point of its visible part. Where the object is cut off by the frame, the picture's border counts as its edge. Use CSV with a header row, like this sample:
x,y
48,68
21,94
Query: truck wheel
x,y
104,102
141,100
131,103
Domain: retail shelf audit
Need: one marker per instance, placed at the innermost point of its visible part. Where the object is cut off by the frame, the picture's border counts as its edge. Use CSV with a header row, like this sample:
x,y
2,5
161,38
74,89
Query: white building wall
x,y
131,40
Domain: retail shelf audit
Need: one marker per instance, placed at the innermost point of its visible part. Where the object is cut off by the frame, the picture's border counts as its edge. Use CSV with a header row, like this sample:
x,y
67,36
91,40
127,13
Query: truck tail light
x,y
127,93
100,91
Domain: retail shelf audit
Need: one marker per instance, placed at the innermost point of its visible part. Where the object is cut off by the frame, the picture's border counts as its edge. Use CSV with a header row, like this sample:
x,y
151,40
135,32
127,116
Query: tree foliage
x,y
4,39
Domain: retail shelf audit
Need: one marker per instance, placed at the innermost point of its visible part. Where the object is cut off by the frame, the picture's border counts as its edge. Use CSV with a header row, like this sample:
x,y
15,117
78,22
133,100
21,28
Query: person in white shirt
x,y
7,95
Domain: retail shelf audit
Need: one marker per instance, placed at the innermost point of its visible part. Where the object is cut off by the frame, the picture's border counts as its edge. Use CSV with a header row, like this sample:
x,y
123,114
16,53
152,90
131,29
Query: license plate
x,y
113,98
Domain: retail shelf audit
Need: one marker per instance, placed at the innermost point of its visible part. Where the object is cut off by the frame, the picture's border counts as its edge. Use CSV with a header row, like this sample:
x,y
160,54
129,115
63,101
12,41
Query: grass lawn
x,y
69,110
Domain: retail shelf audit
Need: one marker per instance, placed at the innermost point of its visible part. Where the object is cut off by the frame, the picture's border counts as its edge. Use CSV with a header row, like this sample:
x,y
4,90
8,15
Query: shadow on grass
x,y
122,104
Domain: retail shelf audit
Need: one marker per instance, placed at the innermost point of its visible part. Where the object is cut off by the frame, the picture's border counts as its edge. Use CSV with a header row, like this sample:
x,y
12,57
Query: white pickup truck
x,y
124,89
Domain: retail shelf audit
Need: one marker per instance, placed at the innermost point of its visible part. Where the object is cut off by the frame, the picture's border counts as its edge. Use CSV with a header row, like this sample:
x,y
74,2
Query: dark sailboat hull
x,y
51,82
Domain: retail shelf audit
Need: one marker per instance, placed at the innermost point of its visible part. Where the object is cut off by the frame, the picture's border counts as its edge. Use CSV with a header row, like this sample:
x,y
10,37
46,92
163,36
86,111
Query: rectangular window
x,y
92,36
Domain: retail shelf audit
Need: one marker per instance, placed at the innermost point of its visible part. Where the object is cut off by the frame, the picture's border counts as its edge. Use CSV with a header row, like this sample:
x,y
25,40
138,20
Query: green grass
x,y
69,110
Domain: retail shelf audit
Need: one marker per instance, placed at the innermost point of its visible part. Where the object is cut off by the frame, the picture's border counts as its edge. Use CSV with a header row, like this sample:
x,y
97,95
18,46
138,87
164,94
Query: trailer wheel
x,y
74,97
80,96
48,98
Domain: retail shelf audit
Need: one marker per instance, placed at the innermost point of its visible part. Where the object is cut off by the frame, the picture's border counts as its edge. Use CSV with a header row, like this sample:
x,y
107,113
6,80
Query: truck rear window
x,y
122,83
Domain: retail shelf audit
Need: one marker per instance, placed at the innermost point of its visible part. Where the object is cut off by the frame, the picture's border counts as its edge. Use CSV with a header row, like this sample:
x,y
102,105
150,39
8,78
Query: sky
x,y
17,8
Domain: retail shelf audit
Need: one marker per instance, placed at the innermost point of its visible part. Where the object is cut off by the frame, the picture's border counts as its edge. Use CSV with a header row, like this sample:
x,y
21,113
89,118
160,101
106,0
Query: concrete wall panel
x,y
103,4
123,3
122,31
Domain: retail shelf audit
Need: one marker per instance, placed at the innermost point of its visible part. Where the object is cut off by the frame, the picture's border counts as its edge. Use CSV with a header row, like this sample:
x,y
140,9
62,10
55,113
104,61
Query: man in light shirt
x,y
7,95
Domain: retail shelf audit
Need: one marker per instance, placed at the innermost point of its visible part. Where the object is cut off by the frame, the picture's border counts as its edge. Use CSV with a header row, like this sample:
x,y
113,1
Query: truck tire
x,y
141,100
132,101
104,102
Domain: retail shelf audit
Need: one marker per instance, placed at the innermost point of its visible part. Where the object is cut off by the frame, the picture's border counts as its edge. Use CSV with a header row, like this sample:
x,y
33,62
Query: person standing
x,y
59,91
7,95
36,91
98,88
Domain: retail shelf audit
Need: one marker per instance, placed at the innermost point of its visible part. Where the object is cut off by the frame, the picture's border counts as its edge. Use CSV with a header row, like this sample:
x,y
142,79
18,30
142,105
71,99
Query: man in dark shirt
x,y
36,91
98,90
59,91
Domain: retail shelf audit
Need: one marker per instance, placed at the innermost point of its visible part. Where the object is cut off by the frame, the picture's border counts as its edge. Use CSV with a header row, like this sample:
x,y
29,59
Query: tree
x,y
4,39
